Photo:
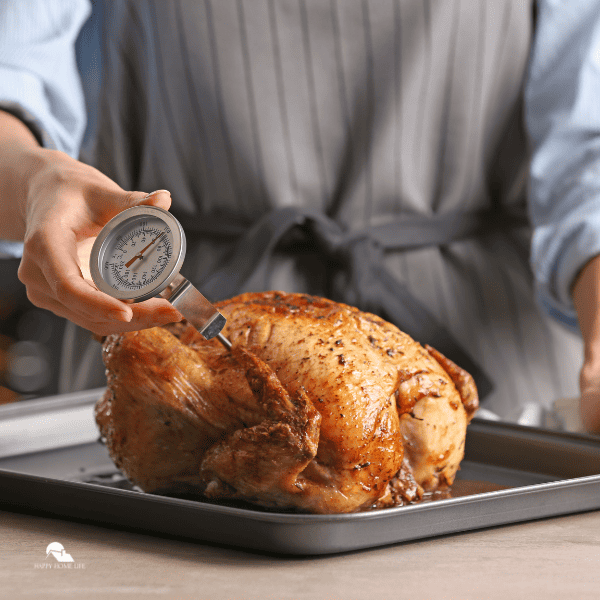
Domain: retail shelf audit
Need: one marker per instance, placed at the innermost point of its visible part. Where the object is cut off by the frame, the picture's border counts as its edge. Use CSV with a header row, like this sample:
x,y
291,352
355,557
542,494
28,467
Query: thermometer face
x,y
138,253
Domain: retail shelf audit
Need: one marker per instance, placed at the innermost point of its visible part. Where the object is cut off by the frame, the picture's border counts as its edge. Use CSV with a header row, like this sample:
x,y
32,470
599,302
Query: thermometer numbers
x,y
138,256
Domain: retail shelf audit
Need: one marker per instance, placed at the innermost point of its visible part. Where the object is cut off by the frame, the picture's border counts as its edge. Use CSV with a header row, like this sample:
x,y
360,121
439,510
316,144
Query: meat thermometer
x,y
138,255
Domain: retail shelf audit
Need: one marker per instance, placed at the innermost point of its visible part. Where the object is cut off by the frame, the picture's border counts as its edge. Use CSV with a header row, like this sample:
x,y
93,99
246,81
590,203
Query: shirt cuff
x,y
60,128
559,251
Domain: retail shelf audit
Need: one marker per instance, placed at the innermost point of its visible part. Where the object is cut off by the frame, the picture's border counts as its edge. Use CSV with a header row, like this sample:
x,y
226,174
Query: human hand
x,y
67,204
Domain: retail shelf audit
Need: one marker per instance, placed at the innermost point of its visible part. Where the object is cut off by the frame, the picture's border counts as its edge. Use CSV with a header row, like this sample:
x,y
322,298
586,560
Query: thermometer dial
x,y
138,255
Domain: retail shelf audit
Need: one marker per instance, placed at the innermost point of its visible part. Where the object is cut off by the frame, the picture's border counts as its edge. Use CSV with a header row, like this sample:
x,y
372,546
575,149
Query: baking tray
x,y
51,462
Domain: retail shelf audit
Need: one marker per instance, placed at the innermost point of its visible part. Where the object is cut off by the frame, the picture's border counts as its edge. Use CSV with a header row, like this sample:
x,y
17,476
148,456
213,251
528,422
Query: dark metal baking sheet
x,y
49,454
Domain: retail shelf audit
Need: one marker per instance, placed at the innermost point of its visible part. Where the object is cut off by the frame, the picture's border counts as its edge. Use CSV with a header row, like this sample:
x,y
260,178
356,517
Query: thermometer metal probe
x,y
138,255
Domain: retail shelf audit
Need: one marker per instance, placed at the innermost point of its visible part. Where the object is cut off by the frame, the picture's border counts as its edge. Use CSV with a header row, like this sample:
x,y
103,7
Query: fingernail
x,y
157,192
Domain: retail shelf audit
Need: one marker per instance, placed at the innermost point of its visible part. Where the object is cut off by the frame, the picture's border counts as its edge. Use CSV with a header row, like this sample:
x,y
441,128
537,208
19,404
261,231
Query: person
x,y
389,154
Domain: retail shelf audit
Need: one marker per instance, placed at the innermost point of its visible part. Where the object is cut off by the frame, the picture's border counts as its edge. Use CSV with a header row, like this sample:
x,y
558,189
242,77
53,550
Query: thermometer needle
x,y
141,252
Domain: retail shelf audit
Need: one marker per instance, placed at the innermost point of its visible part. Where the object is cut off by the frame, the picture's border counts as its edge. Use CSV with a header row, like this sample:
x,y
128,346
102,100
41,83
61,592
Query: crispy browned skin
x,y
462,380
313,409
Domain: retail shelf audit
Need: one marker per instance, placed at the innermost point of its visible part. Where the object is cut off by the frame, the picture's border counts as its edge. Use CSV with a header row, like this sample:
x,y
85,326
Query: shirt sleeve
x,y
39,81
562,110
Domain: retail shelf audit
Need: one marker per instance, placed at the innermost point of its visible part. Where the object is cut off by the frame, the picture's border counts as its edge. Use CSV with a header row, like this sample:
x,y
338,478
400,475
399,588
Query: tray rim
x,y
293,534
274,516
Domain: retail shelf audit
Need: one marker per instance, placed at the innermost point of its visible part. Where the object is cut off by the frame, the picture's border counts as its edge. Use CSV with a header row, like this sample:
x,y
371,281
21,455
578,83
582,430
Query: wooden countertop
x,y
556,558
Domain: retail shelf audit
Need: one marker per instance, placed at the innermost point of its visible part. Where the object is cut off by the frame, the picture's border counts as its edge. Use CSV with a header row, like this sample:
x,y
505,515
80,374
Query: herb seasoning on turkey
x,y
318,407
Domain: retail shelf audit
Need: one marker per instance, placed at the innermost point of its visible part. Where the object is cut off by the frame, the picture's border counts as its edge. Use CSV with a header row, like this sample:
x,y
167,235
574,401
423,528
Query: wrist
x,y
33,163
40,173
19,150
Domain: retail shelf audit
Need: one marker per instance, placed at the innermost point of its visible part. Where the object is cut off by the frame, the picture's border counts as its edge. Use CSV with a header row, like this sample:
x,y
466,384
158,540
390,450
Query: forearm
x,y
586,297
19,156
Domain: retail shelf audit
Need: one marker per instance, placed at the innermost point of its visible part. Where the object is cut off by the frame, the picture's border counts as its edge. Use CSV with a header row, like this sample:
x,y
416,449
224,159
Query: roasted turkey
x,y
318,407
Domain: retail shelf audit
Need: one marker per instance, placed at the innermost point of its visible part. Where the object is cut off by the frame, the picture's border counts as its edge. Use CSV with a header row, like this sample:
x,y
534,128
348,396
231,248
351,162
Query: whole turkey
x,y
318,407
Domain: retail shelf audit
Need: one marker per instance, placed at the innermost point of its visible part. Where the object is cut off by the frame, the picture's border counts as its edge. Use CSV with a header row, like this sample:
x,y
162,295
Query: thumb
x,y
158,198
103,207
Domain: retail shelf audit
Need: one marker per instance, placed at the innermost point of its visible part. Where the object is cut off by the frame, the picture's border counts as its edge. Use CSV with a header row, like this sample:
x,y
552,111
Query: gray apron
x,y
369,151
